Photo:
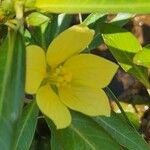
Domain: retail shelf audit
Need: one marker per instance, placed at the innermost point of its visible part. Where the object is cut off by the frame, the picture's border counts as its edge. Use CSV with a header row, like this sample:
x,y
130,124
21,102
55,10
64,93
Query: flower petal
x,y
90,70
69,42
35,68
51,106
90,101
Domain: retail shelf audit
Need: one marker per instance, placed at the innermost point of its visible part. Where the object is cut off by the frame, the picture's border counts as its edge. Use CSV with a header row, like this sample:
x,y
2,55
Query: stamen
x,y
60,77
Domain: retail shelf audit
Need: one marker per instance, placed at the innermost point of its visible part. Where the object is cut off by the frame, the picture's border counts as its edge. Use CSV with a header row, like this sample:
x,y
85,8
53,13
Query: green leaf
x,y
123,133
143,57
94,22
29,3
83,134
44,34
92,18
7,6
12,75
57,25
26,127
69,6
121,19
123,45
134,118
36,34
36,19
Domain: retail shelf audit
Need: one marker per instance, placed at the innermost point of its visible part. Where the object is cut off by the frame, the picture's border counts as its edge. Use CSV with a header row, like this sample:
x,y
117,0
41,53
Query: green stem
x,y
12,26
80,18
111,94
148,90
19,9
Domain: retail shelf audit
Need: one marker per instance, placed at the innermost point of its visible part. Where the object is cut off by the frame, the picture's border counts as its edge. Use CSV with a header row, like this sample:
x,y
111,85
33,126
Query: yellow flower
x,y
62,78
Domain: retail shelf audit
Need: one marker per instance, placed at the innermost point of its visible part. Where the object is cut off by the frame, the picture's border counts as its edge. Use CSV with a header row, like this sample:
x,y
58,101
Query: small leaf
x,y
83,134
92,18
121,19
143,57
123,45
44,34
26,127
36,19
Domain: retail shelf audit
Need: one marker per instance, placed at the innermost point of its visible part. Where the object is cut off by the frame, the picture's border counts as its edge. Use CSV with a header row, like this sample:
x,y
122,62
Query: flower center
x,y
60,77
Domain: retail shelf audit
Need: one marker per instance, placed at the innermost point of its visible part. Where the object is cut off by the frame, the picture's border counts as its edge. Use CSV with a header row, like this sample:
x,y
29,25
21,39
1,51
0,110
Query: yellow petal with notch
x,y
35,68
90,101
70,42
52,107
90,70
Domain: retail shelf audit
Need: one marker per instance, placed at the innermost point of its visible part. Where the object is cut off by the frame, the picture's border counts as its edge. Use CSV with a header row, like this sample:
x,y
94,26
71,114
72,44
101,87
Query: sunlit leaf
x,y
92,18
36,19
69,6
121,19
123,45
143,57
29,3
